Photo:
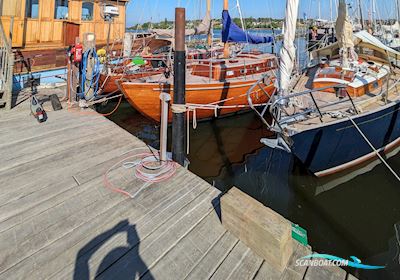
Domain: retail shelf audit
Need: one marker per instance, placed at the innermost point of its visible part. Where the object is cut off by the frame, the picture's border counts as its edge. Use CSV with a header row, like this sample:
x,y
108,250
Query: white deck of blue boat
x,y
58,221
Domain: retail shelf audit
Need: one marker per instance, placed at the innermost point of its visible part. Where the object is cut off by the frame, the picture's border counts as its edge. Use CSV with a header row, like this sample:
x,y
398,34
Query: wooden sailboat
x,y
331,132
226,86
214,86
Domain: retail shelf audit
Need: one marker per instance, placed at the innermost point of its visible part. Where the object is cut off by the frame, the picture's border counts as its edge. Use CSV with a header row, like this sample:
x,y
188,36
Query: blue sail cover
x,y
233,33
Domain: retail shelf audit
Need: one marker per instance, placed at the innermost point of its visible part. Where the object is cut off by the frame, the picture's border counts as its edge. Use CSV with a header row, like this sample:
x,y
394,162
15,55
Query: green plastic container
x,y
299,234
138,60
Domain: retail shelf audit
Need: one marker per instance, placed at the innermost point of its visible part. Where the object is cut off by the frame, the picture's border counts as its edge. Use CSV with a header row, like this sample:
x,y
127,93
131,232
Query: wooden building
x,y
45,28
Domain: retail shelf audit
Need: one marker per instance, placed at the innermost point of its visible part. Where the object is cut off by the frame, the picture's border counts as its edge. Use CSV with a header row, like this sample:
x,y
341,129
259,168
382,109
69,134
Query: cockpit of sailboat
x,y
329,91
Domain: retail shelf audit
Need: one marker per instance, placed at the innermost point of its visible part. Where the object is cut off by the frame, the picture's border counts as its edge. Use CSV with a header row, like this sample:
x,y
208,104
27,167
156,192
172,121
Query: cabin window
x,y
61,9
87,11
32,8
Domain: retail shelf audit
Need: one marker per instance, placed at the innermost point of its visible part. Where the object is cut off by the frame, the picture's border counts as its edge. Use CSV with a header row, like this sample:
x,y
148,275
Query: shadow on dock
x,y
133,266
216,203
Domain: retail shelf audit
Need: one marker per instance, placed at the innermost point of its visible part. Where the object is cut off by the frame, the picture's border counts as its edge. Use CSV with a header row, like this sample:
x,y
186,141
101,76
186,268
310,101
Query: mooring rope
x,y
192,107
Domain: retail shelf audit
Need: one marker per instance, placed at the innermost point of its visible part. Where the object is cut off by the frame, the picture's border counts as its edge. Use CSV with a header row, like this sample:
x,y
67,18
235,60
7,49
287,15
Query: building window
x,y
87,11
61,9
32,8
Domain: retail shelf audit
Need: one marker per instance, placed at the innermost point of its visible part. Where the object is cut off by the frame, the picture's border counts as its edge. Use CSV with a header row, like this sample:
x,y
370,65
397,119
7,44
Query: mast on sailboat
x,y
226,44
344,35
209,37
319,9
361,14
288,50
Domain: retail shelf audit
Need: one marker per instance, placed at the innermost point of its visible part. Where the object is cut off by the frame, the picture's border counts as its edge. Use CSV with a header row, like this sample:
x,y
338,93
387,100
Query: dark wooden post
x,y
178,120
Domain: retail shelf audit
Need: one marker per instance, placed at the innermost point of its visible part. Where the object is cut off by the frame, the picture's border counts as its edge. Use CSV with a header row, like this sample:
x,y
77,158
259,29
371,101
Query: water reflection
x,y
354,214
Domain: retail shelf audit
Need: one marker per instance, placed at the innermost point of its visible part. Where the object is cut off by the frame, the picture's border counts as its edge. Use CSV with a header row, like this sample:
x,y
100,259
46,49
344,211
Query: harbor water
x,y
355,214
352,214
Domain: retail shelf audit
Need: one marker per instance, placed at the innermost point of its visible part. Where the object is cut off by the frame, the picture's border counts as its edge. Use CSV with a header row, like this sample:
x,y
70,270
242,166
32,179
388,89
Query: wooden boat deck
x,y
197,80
58,221
367,102
246,62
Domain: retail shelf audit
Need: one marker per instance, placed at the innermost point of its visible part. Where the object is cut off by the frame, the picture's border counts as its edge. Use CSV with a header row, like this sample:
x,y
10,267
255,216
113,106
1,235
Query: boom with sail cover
x,y
204,28
233,33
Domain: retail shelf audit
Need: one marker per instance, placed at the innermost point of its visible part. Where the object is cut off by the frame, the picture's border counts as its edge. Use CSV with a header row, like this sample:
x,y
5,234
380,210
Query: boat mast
x,y
288,50
361,14
398,9
374,15
344,35
319,9
226,44
209,38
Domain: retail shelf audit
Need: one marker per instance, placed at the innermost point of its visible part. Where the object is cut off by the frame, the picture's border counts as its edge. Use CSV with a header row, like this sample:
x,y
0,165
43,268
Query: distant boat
x,y
390,35
146,63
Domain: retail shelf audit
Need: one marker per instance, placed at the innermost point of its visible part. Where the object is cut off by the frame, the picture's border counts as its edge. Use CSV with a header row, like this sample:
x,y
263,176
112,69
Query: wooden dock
x,y
59,221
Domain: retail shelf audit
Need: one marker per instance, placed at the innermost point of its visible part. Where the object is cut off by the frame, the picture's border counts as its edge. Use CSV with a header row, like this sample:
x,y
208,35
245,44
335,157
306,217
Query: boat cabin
x,y
44,24
364,75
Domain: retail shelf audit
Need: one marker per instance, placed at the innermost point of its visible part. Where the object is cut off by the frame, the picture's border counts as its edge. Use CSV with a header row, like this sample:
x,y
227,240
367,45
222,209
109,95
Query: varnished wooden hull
x,y
145,97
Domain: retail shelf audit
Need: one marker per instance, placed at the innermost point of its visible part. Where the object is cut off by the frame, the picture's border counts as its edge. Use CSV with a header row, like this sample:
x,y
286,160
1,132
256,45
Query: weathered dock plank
x,y
213,258
58,220
181,258
329,273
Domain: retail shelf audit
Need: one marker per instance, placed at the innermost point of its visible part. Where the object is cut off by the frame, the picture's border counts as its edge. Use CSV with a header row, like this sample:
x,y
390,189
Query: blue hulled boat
x,y
344,111
338,146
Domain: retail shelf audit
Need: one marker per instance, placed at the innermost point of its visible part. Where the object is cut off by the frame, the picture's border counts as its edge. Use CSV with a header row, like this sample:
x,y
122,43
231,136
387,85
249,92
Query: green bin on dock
x,y
299,234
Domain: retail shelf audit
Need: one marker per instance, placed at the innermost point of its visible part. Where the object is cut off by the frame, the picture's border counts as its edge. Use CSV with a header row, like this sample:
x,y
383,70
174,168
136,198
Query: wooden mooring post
x,y
165,98
178,120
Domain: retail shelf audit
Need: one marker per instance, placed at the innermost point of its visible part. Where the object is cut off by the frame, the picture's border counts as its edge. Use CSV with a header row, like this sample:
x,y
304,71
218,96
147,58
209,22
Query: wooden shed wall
x,y
47,32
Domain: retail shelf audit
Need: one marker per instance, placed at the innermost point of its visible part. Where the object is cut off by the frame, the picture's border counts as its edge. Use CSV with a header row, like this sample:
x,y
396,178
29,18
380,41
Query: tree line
x,y
249,23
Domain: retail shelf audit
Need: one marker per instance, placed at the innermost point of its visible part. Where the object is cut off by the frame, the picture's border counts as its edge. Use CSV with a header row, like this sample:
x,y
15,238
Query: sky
x,y
140,11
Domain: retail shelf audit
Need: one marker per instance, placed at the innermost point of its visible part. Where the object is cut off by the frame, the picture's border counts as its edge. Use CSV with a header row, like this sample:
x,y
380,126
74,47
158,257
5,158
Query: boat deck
x,y
197,80
367,102
59,221
247,61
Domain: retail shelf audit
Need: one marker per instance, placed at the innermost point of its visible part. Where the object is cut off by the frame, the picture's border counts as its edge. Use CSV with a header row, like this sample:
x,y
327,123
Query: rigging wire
x,y
375,150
